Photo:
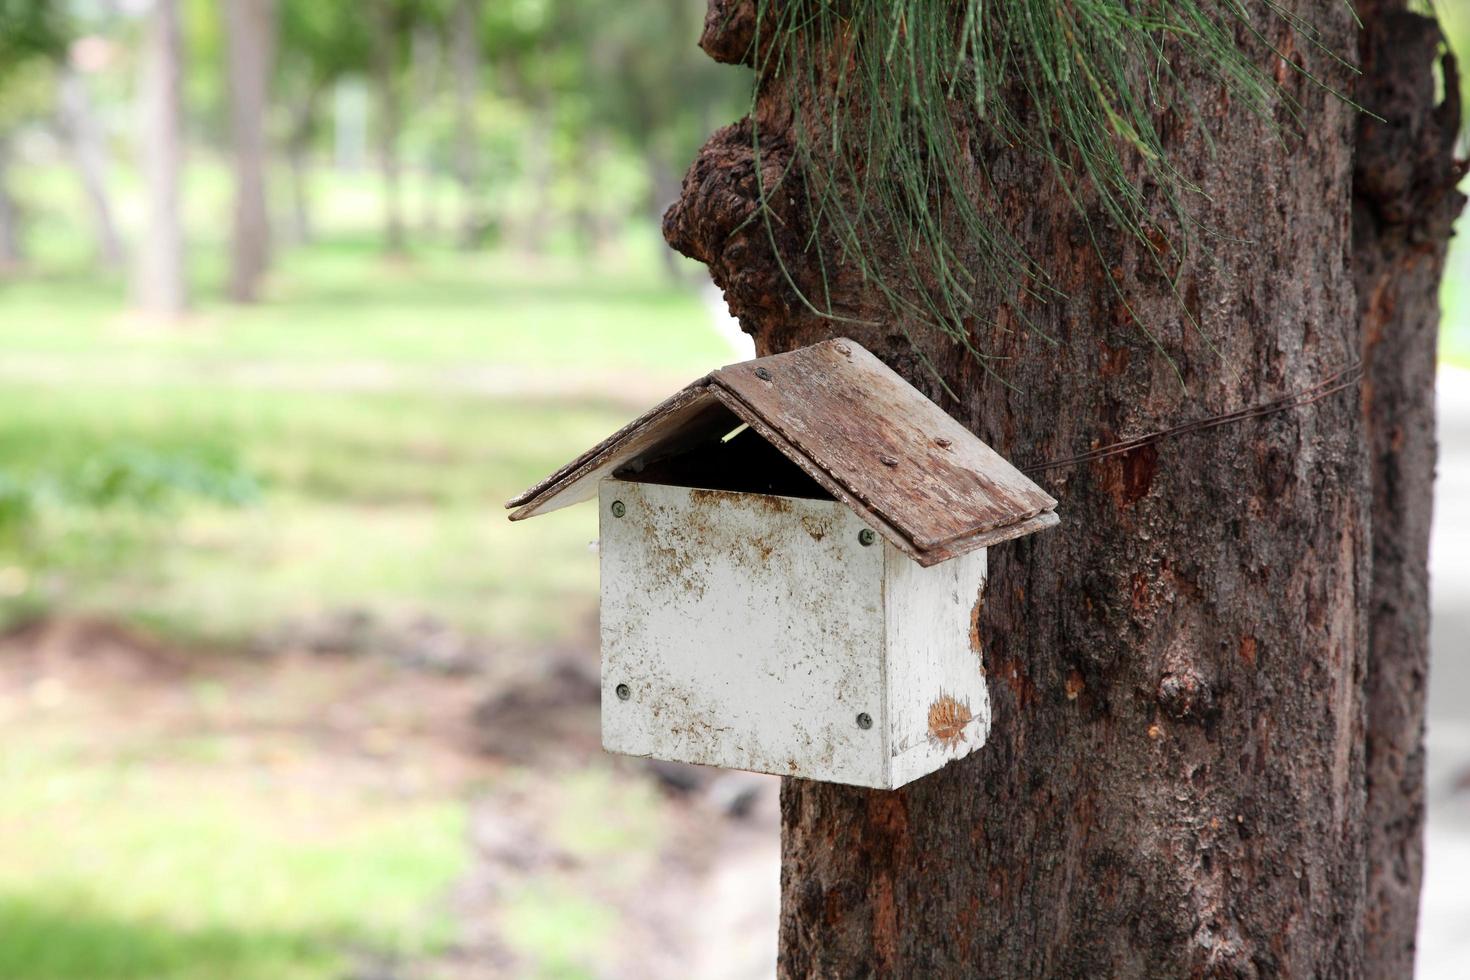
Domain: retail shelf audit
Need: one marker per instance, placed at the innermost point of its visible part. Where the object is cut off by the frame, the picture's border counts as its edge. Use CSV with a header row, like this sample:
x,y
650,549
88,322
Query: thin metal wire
x,y
1341,380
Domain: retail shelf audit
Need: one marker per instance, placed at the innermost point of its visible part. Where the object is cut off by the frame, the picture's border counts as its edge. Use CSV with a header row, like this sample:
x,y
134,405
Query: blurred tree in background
x,y
534,125
33,37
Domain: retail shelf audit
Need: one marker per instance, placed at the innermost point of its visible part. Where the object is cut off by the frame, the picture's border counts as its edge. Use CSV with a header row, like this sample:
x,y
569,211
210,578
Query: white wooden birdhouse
x,y
793,556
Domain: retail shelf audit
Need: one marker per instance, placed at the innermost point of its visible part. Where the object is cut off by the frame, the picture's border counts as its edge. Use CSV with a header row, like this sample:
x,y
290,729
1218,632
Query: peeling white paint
x,y
751,631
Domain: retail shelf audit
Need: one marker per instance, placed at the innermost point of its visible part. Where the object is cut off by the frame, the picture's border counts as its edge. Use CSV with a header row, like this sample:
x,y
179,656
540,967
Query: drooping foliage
x,y
890,185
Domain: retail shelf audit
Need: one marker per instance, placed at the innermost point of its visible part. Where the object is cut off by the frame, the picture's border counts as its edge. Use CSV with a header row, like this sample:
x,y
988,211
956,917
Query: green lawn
x,y
110,870
346,445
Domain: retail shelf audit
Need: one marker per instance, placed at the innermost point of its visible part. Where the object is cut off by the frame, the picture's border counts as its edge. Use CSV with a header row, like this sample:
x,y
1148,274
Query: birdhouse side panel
x,y
939,707
742,630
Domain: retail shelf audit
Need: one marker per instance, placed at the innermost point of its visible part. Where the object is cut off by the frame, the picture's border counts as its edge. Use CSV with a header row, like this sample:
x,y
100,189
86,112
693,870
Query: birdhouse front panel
x,y
742,630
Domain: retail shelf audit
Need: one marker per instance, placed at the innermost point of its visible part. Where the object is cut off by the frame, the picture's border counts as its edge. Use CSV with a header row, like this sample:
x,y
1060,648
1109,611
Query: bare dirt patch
x,y
677,864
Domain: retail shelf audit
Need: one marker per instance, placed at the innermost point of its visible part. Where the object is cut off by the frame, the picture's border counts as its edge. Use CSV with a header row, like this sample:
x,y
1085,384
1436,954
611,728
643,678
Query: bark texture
x,y
250,30
1175,780
161,288
1404,204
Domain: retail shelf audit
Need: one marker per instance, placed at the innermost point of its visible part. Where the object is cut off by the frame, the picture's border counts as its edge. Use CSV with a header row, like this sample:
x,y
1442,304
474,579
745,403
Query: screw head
x,y
619,508
763,374
623,691
866,537
865,721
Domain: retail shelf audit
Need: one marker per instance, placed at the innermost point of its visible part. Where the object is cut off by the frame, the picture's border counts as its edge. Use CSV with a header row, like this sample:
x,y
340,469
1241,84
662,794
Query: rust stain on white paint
x,y
947,720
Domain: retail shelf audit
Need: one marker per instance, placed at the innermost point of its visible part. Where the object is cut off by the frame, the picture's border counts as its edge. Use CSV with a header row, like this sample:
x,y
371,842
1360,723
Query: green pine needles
x,y
893,183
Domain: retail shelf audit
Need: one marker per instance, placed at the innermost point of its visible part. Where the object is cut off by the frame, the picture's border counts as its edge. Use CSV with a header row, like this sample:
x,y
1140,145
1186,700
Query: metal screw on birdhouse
x,y
619,508
763,374
624,692
866,537
865,721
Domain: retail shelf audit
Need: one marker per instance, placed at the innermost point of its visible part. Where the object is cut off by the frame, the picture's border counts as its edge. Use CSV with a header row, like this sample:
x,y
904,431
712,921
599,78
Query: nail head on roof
x,y
888,460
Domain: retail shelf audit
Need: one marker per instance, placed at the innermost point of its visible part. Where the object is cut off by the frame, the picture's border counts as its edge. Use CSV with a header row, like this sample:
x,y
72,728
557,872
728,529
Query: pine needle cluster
x,y
891,185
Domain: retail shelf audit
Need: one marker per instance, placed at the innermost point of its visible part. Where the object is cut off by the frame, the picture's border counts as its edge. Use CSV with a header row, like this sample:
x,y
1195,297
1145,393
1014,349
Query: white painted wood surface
x,y
938,705
748,629
751,632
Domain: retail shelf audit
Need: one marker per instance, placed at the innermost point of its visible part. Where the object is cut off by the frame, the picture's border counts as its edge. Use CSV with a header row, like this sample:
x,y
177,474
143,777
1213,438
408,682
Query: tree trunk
x,y
428,67
12,253
89,150
390,125
536,224
591,217
663,190
298,163
1404,204
1175,781
161,285
250,33
465,52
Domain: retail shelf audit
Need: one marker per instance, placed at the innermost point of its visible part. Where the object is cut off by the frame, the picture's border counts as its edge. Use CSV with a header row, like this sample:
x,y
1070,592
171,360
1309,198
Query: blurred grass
x,y
385,409
347,444
388,501
117,870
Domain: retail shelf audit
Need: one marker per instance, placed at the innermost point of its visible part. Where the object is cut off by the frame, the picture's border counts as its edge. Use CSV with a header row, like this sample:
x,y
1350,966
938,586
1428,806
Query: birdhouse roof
x,y
863,434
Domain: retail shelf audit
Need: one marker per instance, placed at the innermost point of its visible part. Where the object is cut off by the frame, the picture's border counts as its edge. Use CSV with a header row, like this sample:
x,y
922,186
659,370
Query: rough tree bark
x,y
250,32
1404,202
161,288
1175,783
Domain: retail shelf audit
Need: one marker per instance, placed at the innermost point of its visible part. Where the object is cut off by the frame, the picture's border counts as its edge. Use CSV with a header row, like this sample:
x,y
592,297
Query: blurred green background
x,y
267,642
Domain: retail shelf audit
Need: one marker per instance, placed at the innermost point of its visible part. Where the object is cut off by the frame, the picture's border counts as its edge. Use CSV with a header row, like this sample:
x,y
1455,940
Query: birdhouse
x,y
793,560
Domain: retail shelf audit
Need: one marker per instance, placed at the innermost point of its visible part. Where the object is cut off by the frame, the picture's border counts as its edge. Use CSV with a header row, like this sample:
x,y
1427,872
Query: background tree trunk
x,y
465,52
1404,204
298,163
427,53
12,252
540,169
1175,781
161,286
89,150
390,124
662,190
250,35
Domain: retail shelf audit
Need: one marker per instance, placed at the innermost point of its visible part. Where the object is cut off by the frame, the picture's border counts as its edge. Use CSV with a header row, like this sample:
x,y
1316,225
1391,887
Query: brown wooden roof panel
x,y
871,439
887,444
